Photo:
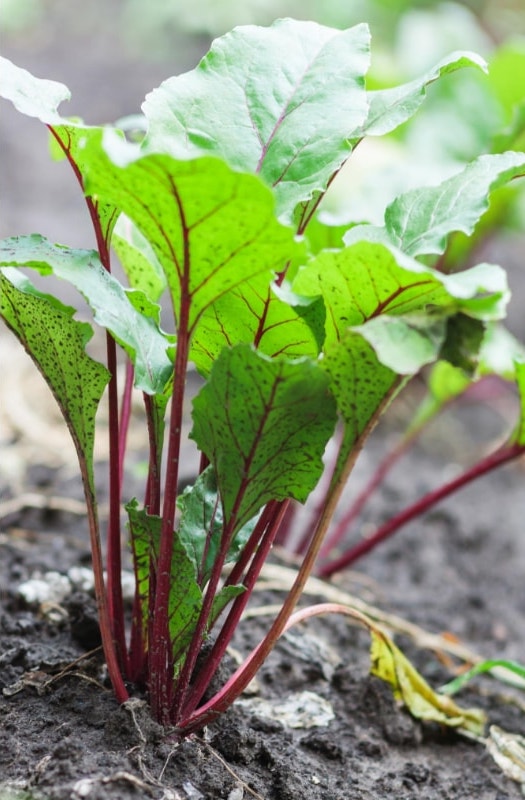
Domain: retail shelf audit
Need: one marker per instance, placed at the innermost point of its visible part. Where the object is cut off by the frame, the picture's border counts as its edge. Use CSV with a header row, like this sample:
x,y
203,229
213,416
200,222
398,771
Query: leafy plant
x,y
210,213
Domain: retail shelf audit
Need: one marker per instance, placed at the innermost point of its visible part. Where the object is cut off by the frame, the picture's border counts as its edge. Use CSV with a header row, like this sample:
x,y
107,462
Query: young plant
x,y
208,214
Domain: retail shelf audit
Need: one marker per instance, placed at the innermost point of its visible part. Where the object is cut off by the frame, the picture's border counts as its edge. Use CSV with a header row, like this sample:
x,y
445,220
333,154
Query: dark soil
x,y
459,570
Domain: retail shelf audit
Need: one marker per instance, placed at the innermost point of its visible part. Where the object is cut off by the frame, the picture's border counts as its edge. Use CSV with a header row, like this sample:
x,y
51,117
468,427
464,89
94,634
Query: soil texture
x,y
459,570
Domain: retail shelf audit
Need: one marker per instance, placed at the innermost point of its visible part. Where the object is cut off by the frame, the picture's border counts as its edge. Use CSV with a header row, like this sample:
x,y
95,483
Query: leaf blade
x,y
211,229
57,343
278,121
270,423
129,316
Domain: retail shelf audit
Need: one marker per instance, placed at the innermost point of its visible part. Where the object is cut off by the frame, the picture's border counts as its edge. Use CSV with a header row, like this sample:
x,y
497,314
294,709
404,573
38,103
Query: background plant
x,y
214,205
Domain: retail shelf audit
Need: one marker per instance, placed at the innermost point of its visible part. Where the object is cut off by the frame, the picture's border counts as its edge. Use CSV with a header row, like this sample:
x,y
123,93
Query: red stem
x,y
195,645
251,545
159,639
106,630
114,585
491,462
153,489
125,417
340,530
246,672
269,528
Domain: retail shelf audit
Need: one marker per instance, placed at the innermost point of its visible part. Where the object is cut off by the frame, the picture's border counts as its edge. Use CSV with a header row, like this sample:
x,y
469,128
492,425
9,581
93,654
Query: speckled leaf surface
x,y
259,100
366,280
185,597
377,324
359,383
130,317
264,425
257,312
211,228
56,343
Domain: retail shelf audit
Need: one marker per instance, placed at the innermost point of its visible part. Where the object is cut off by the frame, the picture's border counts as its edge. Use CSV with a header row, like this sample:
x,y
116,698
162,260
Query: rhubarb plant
x,y
209,215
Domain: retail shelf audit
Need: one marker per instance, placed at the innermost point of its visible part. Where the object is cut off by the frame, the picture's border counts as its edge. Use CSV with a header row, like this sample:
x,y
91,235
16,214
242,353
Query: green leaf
x,y
420,221
56,343
221,600
130,317
520,380
259,100
36,97
463,340
138,260
389,664
500,668
378,326
32,96
279,322
368,279
405,344
390,108
264,425
201,525
499,353
211,229
506,76
359,383
185,598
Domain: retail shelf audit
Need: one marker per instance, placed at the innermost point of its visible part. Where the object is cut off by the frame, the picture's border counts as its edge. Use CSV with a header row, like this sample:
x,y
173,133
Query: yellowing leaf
x,y
389,664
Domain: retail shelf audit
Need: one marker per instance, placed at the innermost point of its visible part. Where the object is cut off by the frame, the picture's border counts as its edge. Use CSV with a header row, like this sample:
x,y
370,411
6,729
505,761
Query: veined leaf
x,y
264,425
211,228
419,221
258,313
377,323
390,108
130,317
185,597
259,100
367,279
359,382
56,343
201,525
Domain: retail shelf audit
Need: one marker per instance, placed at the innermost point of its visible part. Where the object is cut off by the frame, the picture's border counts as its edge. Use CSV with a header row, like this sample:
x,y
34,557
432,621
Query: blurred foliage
x,y
17,15
465,114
